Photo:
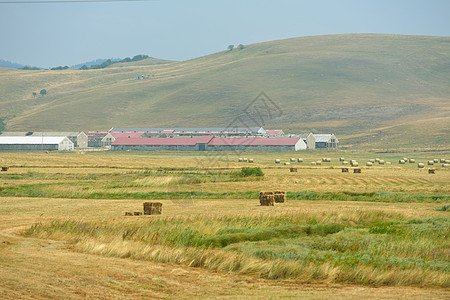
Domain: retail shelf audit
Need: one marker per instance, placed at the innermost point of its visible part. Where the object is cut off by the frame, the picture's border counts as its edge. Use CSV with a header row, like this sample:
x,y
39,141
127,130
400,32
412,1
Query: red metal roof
x,y
176,141
273,131
118,135
254,141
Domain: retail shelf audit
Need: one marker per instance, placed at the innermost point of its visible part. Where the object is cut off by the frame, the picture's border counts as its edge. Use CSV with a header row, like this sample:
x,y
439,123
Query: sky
x,y
53,34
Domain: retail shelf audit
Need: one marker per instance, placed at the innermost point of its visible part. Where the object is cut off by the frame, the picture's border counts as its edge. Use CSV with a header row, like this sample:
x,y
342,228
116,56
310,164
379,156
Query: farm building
x,y
35,143
308,138
192,131
117,135
256,144
78,138
209,143
157,143
325,141
100,139
274,132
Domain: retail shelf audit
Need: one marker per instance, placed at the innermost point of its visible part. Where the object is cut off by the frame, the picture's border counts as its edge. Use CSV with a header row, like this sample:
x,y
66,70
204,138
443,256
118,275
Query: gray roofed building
x,y
79,138
326,141
191,130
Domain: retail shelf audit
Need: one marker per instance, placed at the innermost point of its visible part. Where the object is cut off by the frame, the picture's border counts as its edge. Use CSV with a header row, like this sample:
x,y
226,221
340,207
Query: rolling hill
x,y
372,90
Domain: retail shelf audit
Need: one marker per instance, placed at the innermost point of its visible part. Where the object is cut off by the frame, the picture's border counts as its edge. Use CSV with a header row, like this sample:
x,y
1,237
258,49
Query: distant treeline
x,y
110,62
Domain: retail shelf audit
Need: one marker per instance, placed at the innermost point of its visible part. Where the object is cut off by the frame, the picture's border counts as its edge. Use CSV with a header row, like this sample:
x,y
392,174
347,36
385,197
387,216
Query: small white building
x,y
35,143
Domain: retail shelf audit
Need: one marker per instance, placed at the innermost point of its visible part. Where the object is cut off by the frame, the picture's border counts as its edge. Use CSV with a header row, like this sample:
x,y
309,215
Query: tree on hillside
x,y
34,94
230,47
83,67
43,92
241,46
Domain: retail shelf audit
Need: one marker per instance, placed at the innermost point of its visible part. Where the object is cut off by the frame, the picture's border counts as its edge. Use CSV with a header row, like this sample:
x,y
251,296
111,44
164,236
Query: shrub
x,y
249,172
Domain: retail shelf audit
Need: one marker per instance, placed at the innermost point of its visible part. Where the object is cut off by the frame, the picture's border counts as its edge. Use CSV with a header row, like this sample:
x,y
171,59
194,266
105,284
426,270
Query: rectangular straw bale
x,y
266,198
279,196
152,208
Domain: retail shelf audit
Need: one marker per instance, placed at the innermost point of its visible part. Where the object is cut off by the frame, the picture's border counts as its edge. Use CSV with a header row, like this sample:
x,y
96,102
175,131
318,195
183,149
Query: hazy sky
x,y
48,35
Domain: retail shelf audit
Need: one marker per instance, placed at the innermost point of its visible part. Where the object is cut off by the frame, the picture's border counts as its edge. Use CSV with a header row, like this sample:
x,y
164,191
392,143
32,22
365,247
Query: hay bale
x,y
327,159
377,160
388,162
299,160
354,163
369,164
421,165
277,161
381,162
431,171
293,159
287,163
442,160
245,159
279,196
430,162
445,165
4,169
372,160
152,208
250,160
324,159
293,169
356,170
266,198
436,161
401,161
345,162
318,162
412,160
447,161
240,159
128,213
405,159
341,159
137,213
313,163
344,170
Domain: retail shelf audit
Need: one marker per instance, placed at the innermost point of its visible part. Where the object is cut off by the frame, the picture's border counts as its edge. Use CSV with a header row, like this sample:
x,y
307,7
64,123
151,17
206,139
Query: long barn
x,y
209,143
36,143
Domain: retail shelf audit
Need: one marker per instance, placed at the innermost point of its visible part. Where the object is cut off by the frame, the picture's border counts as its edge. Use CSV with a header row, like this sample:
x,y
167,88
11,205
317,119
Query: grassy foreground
x,y
367,247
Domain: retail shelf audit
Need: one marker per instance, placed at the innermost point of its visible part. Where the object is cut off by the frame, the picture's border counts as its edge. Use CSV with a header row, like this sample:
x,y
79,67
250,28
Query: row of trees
x,y
231,47
110,62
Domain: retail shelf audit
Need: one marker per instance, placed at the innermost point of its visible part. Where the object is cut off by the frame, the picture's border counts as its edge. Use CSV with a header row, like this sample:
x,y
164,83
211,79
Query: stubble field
x,y
382,233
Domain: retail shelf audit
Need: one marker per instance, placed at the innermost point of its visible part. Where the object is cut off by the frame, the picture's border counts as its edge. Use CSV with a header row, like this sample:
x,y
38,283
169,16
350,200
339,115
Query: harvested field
x,y
330,222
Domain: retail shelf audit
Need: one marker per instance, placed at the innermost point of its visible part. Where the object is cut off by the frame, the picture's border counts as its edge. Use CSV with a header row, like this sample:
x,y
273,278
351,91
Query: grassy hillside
x,y
369,89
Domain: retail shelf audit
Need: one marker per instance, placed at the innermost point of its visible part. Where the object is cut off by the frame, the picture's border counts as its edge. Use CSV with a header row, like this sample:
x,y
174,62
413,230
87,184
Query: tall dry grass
x,y
369,247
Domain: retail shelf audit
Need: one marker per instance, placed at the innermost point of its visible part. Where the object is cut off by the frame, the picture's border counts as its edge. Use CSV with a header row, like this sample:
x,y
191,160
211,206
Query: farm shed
x,y
192,131
256,144
325,141
157,143
100,139
35,143
78,138
274,132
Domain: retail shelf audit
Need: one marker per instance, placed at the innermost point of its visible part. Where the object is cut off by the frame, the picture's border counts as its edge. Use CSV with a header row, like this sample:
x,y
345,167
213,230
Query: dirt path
x,y
34,268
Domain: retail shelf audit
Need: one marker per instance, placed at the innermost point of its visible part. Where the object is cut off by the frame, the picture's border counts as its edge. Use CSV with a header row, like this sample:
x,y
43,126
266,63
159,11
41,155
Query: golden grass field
x,y
63,233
